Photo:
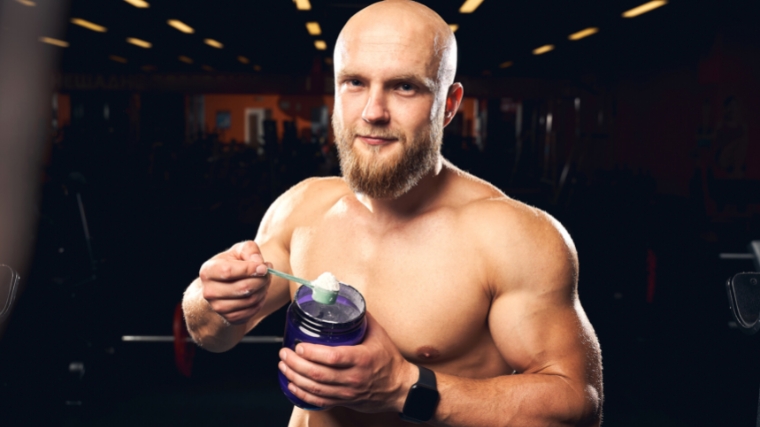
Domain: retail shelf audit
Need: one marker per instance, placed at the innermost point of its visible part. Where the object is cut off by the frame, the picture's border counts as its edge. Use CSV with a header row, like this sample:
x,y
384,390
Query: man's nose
x,y
376,110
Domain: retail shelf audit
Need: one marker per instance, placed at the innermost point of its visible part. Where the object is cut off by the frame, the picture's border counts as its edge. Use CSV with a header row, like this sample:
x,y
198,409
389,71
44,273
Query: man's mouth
x,y
375,140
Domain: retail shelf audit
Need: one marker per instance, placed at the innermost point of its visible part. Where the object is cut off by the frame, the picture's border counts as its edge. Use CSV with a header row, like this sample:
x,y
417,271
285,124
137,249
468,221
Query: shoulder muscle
x,y
297,205
526,249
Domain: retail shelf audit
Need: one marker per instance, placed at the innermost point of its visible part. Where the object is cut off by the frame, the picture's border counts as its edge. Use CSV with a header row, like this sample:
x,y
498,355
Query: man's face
x,y
388,117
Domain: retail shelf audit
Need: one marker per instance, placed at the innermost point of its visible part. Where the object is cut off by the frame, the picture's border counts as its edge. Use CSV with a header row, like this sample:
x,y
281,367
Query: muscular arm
x,y
541,330
554,390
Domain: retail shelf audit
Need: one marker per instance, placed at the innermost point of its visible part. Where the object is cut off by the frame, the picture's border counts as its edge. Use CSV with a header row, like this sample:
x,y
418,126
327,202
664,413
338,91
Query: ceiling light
x,y
243,59
469,6
583,33
506,64
543,49
181,26
207,68
644,8
142,4
313,28
302,4
185,59
89,25
213,43
320,44
29,3
138,42
118,59
56,42
454,27
257,67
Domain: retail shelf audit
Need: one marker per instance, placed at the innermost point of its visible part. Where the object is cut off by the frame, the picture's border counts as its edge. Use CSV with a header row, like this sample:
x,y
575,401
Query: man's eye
x,y
354,82
406,87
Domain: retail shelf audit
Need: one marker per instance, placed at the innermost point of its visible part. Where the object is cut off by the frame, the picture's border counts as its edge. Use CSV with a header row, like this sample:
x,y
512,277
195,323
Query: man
x,y
461,282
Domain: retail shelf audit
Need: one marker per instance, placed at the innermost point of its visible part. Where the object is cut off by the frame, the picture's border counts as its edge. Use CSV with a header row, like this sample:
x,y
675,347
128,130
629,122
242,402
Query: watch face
x,y
421,402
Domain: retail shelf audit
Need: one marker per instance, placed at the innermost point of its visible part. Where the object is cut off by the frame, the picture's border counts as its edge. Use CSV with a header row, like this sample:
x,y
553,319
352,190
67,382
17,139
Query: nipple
x,y
428,353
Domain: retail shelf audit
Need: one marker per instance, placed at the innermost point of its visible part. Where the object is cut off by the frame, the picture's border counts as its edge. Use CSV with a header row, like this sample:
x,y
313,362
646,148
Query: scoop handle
x,y
289,277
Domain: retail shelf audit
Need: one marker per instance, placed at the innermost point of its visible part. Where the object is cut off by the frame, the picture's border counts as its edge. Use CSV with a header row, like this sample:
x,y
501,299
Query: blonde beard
x,y
392,177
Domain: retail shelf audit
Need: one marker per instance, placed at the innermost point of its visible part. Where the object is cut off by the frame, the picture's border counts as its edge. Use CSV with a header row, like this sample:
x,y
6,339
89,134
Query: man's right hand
x,y
235,282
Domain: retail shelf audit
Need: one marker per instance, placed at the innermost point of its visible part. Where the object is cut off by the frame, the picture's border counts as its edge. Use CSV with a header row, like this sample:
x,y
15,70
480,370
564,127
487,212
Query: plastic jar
x,y
342,323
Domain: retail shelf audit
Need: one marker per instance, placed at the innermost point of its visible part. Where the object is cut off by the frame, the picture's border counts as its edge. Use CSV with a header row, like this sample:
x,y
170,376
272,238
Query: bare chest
x,y
422,283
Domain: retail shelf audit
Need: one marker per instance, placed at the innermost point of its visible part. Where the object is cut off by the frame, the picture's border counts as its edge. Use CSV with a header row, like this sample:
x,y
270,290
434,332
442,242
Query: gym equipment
x,y
744,296
184,346
744,291
8,287
183,353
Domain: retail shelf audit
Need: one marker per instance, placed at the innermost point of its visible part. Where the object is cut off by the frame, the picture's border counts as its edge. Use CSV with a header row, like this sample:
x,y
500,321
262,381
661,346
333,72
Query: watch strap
x,y
422,399
427,378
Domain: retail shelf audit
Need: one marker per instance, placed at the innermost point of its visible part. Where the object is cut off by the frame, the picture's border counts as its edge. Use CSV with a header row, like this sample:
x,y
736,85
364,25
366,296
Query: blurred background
x,y
168,127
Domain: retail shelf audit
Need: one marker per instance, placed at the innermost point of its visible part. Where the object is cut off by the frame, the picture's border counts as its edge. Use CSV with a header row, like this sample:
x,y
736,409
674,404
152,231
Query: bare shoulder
x,y
302,202
519,243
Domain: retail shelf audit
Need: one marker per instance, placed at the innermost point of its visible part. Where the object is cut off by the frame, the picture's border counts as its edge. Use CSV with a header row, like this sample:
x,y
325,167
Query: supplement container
x,y
342,323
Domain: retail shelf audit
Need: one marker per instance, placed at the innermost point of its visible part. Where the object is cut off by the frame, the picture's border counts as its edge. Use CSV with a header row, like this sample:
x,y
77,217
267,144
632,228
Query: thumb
x,y
248,251
374,328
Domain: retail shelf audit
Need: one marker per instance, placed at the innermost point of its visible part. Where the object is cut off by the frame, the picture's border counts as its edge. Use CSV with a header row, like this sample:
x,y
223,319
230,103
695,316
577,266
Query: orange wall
x,y
299,110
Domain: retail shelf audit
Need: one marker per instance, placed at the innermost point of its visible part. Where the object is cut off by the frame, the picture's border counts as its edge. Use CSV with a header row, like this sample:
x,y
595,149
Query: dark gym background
x,y
642,139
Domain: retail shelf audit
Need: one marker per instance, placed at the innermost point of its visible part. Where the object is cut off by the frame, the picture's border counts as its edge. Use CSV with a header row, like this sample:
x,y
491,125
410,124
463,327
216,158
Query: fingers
x,y
239,289
334,357
317,384
307,368
228,305
227,270
317,395
376,339
319,388
314,399
366,377
236,300
235,282
242,260
246,251
237,312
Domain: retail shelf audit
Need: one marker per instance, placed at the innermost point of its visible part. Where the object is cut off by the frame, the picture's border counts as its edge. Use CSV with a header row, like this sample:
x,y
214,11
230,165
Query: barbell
x,y
184,346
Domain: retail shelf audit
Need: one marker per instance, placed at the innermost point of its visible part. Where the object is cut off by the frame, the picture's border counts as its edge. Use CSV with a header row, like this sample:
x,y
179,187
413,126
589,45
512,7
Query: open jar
x,y
342,323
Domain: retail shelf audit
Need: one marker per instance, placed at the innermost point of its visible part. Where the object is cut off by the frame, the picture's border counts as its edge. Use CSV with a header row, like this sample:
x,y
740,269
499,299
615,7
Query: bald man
x,y
473,310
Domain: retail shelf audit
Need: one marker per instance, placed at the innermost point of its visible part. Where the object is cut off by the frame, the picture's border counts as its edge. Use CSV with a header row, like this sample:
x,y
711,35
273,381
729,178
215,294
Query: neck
x,y
411,203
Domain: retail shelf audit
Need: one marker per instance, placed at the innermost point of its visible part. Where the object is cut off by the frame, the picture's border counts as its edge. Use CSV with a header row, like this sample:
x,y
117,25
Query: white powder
x,y
327,282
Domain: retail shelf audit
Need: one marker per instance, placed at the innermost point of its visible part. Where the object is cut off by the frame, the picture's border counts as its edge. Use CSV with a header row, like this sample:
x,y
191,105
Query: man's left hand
x,y
370,377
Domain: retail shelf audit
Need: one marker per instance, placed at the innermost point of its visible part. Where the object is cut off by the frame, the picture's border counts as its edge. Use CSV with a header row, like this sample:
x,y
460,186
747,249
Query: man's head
x,y
395,63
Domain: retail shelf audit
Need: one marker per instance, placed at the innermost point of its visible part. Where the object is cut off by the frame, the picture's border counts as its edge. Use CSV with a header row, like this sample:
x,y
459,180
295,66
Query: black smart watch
x,y
422,399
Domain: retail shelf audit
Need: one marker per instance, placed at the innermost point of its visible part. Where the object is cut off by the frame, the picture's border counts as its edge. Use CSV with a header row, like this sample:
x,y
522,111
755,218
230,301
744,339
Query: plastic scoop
x,y
320,295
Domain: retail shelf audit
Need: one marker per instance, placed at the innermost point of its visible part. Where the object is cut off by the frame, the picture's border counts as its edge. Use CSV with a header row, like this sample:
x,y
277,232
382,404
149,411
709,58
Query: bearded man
x,y
462,283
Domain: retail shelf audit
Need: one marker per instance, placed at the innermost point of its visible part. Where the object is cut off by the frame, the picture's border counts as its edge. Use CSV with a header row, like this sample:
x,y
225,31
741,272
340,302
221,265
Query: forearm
x,y
516,400
207,328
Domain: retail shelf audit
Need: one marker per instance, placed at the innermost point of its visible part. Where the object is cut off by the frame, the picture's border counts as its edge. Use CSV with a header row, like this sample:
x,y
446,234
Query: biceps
x,y
541,334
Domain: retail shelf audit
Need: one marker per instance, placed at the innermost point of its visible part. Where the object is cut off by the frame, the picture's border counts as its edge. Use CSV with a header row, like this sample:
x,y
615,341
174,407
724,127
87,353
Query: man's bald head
x,y
396,24
395,63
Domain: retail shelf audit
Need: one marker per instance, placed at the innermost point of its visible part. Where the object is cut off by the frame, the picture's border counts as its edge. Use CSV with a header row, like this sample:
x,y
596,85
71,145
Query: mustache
x,y
376,132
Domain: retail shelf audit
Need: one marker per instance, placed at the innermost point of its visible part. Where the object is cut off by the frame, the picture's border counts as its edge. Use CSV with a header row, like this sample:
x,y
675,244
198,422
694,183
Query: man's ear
x,y
453,99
